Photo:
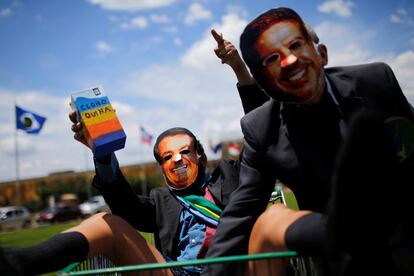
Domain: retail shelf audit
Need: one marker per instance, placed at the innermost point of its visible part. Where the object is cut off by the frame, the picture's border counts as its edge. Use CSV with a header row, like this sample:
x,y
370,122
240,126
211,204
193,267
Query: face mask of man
x,y
179,161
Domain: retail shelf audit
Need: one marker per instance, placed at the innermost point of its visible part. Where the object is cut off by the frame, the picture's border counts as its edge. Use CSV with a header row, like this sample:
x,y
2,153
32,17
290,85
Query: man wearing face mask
x,y
312,136
183,216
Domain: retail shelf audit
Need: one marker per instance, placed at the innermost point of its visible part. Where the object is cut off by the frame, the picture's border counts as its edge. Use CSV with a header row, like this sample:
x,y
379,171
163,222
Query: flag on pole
x,y
28,121
213,148
146,138
234,149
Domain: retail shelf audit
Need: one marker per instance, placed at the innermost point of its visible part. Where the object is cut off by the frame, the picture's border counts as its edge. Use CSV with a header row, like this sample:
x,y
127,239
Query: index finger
x,y
217,36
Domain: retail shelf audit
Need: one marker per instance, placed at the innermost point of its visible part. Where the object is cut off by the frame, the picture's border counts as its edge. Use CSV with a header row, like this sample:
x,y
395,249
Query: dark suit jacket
x,y
298,146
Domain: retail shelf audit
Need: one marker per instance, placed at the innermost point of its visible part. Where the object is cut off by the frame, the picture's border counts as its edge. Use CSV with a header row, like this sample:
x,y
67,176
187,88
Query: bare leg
x,y
113,237
268,235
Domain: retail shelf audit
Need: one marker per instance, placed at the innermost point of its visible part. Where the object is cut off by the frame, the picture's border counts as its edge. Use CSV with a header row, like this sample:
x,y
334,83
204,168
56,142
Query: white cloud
x,y
401,16
196,12
345,46
159,18
103,48
340,7
395,18
131,5
231,27
138,22
5,12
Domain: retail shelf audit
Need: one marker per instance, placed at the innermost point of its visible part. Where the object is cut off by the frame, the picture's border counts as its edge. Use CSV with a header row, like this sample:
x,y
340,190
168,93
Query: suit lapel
x,y
343,88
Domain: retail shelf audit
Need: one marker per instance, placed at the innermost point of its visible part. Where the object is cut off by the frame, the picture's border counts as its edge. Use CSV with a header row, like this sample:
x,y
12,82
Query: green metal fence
x,y
102,266
297,265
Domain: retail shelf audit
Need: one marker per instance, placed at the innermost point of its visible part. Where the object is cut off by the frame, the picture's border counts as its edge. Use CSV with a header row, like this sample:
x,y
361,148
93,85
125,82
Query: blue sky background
x,y
156,63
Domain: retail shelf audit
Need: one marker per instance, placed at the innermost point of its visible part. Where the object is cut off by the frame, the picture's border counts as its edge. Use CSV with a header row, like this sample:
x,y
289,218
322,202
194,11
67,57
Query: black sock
x,y
52,255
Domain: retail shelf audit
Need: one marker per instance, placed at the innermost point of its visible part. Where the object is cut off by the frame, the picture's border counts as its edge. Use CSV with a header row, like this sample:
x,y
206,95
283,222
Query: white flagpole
x,y
16,152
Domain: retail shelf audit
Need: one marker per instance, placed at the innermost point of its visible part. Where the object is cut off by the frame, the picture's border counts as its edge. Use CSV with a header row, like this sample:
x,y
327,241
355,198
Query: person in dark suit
x,y
312,113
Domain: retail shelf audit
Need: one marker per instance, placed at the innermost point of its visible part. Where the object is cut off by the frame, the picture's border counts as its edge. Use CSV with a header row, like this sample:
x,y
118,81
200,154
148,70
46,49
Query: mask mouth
x,y
180,170
183,168
295,76
295,72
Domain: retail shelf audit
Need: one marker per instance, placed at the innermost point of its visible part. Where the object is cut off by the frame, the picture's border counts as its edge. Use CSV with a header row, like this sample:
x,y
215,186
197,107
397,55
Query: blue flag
x,y
215,148
29,121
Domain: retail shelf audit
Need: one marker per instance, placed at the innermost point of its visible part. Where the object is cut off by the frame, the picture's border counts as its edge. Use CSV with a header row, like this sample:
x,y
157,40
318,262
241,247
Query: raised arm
x,y
250,93
229,55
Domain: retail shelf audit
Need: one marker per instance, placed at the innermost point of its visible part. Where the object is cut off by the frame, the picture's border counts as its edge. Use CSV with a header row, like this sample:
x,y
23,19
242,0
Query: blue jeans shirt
x,y
191,237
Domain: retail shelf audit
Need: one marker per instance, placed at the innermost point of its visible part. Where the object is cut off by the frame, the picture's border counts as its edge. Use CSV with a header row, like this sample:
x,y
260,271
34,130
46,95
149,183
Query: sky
x,y
155,61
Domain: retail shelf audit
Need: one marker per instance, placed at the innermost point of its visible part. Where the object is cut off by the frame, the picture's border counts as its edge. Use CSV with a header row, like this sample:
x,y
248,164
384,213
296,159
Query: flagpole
x,y
16,153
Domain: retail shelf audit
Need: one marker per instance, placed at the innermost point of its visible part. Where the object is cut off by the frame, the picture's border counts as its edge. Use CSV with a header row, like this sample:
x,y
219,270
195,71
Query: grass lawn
x,y
27,237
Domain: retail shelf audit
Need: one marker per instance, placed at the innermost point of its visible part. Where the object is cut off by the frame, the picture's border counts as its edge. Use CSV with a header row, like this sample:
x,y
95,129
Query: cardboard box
x,y
102,129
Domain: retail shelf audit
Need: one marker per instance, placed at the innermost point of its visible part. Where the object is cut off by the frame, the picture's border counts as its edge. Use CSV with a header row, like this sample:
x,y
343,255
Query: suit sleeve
x,y
137,210
247,202
251,97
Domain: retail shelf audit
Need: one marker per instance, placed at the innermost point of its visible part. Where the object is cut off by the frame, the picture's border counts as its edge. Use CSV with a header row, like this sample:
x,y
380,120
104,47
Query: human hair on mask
x,y
260,24
175,131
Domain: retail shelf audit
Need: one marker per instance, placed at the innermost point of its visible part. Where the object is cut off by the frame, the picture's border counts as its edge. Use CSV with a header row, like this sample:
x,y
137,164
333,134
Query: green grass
x,y
291,200
29,237
32,236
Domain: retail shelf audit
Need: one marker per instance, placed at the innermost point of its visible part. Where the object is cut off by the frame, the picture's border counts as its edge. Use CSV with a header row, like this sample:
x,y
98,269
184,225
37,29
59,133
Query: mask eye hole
x,y
166,158
270,59
186,151
296,45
